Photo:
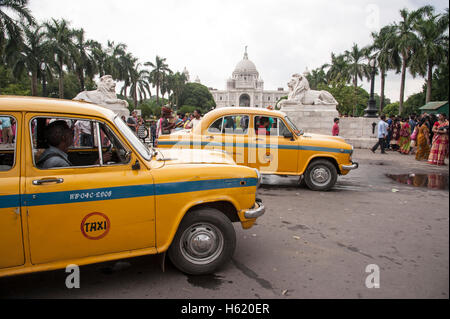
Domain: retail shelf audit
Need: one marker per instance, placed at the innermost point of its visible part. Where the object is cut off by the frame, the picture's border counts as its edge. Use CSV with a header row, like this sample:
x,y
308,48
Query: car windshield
x,y
133,139
293,127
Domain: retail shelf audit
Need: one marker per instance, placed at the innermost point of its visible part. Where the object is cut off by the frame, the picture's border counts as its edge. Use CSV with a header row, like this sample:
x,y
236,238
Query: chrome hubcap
x,y
321,176
201,243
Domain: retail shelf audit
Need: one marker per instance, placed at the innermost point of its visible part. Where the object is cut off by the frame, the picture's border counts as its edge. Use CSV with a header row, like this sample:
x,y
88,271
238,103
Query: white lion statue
x,y
300,93
105,95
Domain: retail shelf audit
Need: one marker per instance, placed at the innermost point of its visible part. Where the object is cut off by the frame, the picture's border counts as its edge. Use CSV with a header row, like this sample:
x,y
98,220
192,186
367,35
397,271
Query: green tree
x,y
61,45
357,69
83,63
198,95
433,35
160,68
406,42
32,51
139,84
387,58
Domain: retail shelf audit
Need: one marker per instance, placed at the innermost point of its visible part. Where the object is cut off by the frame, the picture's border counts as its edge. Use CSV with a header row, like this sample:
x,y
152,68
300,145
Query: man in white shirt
x,y
382,134
197,118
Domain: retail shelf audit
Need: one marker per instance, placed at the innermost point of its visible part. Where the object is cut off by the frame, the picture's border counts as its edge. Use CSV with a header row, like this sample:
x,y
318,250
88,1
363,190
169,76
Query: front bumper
x,y
256,211
350,167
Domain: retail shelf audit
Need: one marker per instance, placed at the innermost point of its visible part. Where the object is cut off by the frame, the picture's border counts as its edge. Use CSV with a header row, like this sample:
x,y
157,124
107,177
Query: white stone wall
x,y
319,119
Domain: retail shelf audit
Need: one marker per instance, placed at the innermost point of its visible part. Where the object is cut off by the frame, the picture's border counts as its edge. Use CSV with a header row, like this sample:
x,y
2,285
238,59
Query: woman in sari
x,y
395,134
423,140
404,141
440,141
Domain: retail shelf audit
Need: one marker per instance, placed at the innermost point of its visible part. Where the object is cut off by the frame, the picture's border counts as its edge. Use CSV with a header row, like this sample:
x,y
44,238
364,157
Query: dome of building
x,y
245,66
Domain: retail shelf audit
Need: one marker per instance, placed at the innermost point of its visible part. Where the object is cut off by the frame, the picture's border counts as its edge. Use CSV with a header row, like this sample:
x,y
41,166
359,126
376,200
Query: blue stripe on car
x,y
121,192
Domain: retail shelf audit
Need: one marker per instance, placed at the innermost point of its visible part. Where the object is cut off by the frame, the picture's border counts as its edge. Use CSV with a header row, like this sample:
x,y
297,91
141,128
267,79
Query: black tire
x,y
321,175
205,241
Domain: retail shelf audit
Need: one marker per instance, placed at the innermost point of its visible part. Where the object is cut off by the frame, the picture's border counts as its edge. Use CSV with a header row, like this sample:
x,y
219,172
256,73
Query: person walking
x,y
382,134
335,130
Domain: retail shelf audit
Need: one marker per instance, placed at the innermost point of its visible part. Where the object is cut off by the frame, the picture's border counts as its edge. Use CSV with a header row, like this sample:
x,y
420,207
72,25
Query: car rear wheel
x,y
205,240
321,175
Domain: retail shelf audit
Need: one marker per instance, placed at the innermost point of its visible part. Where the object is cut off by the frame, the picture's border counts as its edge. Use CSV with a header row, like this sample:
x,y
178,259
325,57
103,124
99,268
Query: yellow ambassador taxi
x,y
134,201
270,142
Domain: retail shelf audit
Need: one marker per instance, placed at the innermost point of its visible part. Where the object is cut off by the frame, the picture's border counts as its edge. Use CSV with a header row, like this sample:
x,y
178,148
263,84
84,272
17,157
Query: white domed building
x,y
246,88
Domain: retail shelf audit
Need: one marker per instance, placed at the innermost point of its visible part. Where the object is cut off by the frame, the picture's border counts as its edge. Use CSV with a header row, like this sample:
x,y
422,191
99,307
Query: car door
x,y
90,209
229,134
272,152
11,240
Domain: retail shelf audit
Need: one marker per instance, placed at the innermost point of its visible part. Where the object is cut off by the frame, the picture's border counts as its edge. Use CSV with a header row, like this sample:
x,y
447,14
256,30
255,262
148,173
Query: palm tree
x,y
356,68
177,82
139,84
60,42
29,56
127,64
82,59
405,40
157,74
99,56
317,77
338,69
113,64
434,40
387,57
9,26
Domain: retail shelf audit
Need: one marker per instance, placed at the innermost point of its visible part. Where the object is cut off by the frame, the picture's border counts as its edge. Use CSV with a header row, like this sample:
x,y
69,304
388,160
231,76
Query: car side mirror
x,y
136,166
288,135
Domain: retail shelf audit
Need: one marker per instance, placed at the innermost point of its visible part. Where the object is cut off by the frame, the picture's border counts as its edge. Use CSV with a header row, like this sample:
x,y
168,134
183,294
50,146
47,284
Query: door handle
x,y
258,139
48,180
210,137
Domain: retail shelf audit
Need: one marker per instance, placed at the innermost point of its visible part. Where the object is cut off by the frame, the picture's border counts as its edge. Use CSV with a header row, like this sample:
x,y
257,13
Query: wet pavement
x,y
307,245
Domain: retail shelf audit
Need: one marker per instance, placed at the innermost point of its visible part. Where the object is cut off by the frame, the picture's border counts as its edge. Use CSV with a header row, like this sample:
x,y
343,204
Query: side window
x,y
265,125
113,150
71,142
7,142
282,128
216,127
236,124
63,142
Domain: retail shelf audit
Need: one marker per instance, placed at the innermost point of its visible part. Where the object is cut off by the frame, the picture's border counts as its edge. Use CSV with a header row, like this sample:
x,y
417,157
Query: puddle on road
x,y
430,181
212,282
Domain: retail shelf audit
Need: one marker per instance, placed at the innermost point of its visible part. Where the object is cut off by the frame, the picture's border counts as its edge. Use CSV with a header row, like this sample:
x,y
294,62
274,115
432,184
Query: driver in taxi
x,y
59,137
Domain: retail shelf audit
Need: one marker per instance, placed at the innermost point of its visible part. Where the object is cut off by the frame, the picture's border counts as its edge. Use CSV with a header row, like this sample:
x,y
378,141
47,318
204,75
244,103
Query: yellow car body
x,y
50,218
285,152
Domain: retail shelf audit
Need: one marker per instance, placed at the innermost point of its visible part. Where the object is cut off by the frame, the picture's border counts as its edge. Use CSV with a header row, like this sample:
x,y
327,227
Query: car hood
x,y
323,137
188,156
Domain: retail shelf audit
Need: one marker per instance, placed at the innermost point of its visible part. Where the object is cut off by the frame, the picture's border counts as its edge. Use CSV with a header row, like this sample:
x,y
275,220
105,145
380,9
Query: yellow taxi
x,y
270,142
78,187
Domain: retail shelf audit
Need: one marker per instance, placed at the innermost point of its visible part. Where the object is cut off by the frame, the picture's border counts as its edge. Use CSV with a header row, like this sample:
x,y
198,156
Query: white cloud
x,y
208,36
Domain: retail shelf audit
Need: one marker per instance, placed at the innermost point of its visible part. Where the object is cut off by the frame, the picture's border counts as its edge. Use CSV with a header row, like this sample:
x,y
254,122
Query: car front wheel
x,y
205,240
321,175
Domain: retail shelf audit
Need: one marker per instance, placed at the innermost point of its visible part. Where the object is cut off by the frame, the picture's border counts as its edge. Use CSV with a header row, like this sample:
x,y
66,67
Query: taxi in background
x,y
117,198
270,142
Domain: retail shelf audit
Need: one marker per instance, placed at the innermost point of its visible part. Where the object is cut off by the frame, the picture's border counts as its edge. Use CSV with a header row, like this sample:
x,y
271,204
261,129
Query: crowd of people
x,y
166,124
425,136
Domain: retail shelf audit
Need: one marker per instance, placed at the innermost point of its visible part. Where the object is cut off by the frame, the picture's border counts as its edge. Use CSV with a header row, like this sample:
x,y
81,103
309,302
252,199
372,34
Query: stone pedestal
x,y
312,118
319,119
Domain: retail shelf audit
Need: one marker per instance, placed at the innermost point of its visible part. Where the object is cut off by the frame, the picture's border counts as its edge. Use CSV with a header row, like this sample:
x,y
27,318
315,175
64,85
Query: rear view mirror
x,y
288,135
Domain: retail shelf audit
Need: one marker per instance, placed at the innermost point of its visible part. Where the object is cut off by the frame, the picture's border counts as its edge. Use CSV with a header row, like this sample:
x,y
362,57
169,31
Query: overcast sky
x,y
208,37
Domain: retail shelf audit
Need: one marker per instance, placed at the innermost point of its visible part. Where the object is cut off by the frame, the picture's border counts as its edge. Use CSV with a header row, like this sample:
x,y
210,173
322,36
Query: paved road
x,y
307,245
